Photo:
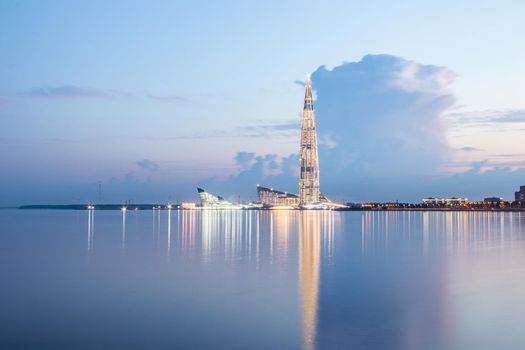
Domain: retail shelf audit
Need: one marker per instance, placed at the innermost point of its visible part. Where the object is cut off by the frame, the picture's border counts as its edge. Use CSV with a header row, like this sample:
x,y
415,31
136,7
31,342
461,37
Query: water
x,y
261,280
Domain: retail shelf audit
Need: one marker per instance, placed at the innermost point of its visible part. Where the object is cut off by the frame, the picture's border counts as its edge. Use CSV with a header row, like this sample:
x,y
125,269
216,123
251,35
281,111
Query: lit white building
x,y
271,197
210,201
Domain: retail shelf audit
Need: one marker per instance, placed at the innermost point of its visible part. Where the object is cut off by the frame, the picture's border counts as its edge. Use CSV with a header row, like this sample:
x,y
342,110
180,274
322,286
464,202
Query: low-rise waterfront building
x,y
210,201
271,197
188,205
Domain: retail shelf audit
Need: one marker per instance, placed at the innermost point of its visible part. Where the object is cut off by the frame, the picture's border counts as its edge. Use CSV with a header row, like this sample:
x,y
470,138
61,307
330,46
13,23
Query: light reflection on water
x,y
264,279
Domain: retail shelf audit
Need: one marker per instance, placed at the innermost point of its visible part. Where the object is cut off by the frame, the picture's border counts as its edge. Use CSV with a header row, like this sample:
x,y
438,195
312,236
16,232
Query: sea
x,y
261,279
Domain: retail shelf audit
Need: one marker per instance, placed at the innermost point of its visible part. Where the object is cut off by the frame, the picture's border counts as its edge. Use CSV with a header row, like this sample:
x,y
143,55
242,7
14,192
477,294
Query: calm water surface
x,y
261,280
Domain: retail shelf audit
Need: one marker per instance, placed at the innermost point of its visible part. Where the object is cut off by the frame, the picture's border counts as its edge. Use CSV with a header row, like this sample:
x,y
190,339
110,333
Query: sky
x,y
147,100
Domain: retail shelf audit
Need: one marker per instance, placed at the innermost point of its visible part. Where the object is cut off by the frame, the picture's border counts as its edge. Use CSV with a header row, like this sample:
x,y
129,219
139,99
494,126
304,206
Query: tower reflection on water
x,y
309,261
274,235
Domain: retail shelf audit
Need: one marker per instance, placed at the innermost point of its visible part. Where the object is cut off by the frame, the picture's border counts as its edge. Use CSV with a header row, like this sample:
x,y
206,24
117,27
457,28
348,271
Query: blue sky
x,y
153,98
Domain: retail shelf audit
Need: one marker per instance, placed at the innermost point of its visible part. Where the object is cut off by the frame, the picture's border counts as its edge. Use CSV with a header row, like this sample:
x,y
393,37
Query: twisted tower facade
x,y
309,179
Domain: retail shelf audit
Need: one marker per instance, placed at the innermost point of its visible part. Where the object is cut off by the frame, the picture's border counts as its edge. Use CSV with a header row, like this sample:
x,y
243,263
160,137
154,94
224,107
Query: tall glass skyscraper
x,y
309,192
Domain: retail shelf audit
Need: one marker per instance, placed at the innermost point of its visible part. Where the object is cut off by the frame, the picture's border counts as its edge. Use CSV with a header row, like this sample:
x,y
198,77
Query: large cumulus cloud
x,y
383,115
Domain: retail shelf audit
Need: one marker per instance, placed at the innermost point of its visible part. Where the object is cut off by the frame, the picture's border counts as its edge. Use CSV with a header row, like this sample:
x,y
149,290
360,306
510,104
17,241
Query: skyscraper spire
x,y
309,179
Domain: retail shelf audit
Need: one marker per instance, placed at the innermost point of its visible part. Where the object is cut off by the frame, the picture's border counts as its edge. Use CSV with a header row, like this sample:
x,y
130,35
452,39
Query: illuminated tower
x,y
309,179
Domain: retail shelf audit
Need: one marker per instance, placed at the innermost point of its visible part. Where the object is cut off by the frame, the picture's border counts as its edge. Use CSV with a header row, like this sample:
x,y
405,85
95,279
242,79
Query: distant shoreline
x,y
97,207
134,207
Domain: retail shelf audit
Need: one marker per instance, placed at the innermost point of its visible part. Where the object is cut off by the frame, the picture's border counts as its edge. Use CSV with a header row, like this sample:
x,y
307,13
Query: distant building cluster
x,y
444,201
